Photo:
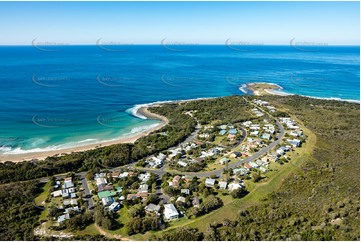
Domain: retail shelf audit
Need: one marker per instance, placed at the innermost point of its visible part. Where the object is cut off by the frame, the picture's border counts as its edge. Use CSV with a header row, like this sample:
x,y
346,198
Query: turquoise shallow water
x,y
67,96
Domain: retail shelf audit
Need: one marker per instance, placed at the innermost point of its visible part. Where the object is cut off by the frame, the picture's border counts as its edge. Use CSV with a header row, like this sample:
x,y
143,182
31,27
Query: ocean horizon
x,y
55,97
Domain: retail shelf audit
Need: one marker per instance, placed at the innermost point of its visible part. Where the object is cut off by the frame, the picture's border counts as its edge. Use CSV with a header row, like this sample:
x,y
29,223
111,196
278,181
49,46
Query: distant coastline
x,y
264,88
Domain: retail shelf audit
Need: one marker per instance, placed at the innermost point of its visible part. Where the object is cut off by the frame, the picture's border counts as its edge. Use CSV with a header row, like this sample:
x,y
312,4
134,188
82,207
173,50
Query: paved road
x,y
87,193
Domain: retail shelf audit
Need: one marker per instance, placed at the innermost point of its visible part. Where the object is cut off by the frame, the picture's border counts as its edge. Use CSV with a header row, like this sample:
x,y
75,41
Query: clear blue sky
x,y
334,23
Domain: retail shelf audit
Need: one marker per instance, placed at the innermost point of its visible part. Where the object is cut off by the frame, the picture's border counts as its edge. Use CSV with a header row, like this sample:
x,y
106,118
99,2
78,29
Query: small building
x,y
234,186
210,182
266,136
295,142
115,206
101,181
170,212
231,137
107,201
175,181
195,202
181,199
152,208
247,166
235,154
185,191
182,163
63,217
143,188
57,193
222,185
224,160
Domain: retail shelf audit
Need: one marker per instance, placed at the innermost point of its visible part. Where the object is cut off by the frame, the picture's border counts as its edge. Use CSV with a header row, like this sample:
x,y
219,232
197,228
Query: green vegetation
x,y
312,195
18,212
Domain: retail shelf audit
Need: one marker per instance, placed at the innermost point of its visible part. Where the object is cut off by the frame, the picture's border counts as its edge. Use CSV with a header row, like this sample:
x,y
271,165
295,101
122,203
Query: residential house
x,y
143,188
232,131
223,185
63,217
107,201
235,154
210,182
185,191
152,208
182,163
266,136
224,160
115,206
234,186
195,202
231,137
170,212
181,199
253,165
247,166
57,193
175,181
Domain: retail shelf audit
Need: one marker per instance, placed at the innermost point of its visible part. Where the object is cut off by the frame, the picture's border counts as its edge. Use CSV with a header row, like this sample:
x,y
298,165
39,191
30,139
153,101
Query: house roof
x,y
152,207
210,181
223,185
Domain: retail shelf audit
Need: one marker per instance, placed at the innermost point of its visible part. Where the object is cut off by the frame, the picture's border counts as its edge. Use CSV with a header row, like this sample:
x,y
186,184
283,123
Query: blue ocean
x,y
64,96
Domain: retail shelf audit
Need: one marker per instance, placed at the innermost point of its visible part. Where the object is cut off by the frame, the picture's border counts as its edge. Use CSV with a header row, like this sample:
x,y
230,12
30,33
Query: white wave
x,y
87,141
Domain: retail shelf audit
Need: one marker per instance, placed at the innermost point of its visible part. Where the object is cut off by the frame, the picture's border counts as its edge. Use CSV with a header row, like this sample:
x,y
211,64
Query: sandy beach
x,y
42,155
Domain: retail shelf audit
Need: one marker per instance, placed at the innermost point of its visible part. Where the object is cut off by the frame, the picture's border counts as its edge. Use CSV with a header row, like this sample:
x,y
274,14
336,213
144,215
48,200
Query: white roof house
x,y
68,184
223,185
100,180
170,212
182,199
143,188
57,193
182,163
152,208
114,206
62,218
210,182
234,186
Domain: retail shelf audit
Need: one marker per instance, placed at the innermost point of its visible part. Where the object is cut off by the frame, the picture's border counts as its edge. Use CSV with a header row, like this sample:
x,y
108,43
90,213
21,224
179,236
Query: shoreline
x,y
142,111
